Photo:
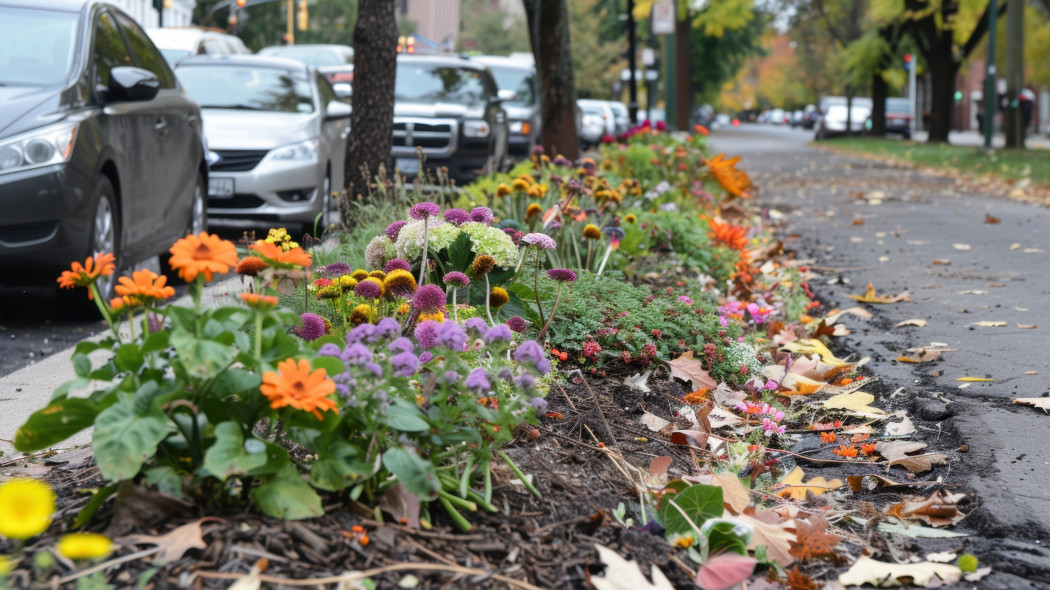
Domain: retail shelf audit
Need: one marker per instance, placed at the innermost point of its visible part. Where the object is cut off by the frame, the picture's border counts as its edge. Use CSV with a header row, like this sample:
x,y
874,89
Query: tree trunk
x,y
683,87
879,91
1012,116
849,111
943,70
552,50
372,122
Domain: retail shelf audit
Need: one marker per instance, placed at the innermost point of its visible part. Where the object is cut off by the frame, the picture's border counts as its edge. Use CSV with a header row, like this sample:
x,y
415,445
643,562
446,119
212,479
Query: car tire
x,y
104,236
329,213
197,223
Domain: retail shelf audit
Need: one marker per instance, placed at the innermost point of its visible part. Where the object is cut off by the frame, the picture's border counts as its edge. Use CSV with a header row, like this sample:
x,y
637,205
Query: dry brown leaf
x,y
991,324
962,247
896,449
796,580
912,322
1026,326
813,538
856,403
694,438
791,485
654,422
938,510
878,573
621,574
856,482
870,296
659,465
920,463
734,493
175,543
691,371
1043,403
811,345
942,261
775,536
991,220
901,428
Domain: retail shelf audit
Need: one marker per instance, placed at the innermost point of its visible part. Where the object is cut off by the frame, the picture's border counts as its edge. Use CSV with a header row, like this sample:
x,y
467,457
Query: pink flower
x,y
685,300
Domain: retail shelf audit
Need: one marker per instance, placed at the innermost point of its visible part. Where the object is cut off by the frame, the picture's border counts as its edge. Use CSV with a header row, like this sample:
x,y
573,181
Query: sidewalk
x,y
27,390
975,138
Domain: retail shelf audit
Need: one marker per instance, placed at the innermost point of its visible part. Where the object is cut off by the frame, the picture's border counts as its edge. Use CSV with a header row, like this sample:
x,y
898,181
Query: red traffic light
x,y
241,3
907,57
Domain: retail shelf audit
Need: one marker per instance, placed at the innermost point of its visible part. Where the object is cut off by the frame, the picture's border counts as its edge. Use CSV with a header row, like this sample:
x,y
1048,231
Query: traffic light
x,y
241,3
302,17
907,61
406,44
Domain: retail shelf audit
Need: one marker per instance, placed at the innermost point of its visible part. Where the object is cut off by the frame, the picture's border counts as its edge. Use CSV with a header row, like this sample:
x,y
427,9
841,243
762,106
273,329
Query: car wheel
x,y
197,223
329,214
105,233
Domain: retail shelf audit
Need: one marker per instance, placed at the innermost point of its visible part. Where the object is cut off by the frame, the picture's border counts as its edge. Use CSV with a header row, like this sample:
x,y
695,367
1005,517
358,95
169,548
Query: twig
x,y
563,392
351,576
686,568
597,406
424,534
107,565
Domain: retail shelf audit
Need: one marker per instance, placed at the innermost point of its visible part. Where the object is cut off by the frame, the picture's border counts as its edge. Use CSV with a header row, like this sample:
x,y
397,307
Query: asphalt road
x,y
865,221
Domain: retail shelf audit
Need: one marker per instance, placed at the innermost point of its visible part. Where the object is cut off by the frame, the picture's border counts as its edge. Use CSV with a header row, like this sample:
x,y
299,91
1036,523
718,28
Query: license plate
x,y
220,188
407,165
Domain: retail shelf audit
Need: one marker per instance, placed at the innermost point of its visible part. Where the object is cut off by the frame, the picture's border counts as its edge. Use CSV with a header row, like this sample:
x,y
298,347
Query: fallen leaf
x,y
920,463
654,422
725,570
912,322
1015,246
943,261
638,381
175,543
882,574
791,485
896,449
401,504
901,428
690,370
1043,403
252,580
977,575
975,379
720,417
775,536
856,403
813,538
621,574
733,492
991,220
695,438
938,510
870,296
973,292
963,247
1026,326
918,531
860,312
659,465
990,324
924,356
945,557
1031,372
809,346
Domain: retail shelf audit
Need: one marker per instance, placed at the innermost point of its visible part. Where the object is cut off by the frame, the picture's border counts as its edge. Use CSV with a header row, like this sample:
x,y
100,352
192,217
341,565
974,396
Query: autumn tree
x,y
552,48
491,31
372,122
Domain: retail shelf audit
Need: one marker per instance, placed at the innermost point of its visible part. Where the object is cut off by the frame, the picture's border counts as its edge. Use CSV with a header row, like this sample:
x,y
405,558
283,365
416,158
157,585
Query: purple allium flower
x,y
498,332
537,150
542,241
482,215
424,210
476,325
539,403
686,300
425,357
402,344
312,328
561,161
329,350
451,377
456,278
457,217
426,334
368,289
360,333
532,353
561,275
337,269
614,233
478,379
386,328
394,229
429,298
525,381
405,364
451,336
517,324
396,264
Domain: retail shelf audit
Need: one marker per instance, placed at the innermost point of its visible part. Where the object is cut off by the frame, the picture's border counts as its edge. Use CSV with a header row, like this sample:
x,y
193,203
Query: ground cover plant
x,y
563,366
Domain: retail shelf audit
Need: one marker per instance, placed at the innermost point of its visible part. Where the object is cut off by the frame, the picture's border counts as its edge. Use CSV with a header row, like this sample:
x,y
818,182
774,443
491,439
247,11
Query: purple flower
x,y
429,298
386,328
525,381
482,215
498,332
402,344
517,324
542,241
456,278
478,379
561,161
357,354
685,300
405,364
505,374
537,150
555,225
539,403
476,325
426,357
451,336
396,264
426,334
614,233
457,217
394,229
329,350
360,333
337,269
451,377
424,210
532,353
562,275
368,289
510,231
312,328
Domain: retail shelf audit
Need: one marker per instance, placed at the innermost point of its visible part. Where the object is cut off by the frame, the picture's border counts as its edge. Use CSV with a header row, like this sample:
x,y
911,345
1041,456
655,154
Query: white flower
x,y
492,241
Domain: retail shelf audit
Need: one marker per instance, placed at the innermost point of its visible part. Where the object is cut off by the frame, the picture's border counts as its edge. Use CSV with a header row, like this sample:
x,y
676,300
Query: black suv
x,y
100,149
450,109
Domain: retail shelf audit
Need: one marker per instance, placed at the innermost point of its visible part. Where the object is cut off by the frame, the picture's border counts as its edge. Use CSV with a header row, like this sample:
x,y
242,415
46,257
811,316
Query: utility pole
x,y
990,96
632,64
1013,120
683,80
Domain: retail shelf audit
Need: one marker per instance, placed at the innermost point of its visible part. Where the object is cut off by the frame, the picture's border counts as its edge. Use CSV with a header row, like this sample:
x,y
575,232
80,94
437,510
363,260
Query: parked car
x,y
335,62
621,117
100,147
810,116
176,43
776,117
833,123
898,116
597,120
449,108
277,138
516,79
797,118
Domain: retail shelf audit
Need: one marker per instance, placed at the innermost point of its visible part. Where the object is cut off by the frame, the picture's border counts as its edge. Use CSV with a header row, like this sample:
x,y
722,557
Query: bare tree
x,y
552,49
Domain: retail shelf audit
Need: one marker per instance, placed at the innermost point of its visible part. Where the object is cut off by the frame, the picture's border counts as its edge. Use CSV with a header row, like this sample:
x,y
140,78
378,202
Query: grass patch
x,y
1011,165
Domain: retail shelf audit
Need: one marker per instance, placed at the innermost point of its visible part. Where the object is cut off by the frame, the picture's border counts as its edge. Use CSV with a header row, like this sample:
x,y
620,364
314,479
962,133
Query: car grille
x,y
239,201
429,134
238,160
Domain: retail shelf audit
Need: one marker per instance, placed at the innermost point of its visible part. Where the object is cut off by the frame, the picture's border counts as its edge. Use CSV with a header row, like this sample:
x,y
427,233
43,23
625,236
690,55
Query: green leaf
x,y
129,357
726,535
81,365
415,473
157,341
124,440
231,455
406,417
699,502
201,358
98,497
64,389
167,480
460,253
287,496
336,468
54,423
332,365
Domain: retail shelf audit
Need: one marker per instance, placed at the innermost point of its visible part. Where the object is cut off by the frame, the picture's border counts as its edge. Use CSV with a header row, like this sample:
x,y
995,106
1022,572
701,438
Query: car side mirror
x,y
343,89
507,94
131,84
498,99
337,110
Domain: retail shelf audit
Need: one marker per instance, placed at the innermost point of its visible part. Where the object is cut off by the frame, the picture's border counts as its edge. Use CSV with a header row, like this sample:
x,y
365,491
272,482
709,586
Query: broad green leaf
x,y
415,473
64,389
726,535
157,341
81,365
98,497
337,468
332,365
129,357
123,439
287,496
231,454
167,480
54,423
699,502
406,418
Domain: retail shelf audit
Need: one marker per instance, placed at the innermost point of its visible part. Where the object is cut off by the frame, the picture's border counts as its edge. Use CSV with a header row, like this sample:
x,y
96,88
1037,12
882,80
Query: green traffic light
x,y
958,95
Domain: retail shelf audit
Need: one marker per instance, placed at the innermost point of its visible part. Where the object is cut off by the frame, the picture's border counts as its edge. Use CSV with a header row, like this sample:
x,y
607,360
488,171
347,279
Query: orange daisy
x,y
296,386
202,254
144,287
84,275
259,302
733,181
279,258
733,236
250,266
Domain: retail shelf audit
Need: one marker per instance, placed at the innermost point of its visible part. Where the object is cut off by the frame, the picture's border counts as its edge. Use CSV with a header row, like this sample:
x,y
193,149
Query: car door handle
x,y
161,126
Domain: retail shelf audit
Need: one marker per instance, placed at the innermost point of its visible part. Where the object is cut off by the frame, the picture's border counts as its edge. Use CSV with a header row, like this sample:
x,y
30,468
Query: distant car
x,y
597,121
810,116
722,120
777,117
621,117
100,148
833,123
335,62
797,118
176,43
516,79
277,138
898,116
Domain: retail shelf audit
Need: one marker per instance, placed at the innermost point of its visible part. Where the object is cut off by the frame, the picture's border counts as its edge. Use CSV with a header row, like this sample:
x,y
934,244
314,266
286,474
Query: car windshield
x,y
429,83
247,88
313,57
36,46
521,81
172,56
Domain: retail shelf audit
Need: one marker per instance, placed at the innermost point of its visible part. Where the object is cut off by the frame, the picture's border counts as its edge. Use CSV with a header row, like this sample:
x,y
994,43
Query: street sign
x,y
663,18
648,75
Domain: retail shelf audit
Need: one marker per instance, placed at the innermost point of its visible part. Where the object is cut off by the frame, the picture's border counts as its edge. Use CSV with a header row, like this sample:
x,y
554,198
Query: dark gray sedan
x,y
100,149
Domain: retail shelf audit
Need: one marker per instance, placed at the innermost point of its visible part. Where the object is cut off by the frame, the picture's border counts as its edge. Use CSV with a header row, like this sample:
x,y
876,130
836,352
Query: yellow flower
x,y
84,546
361,314
6,565
403,309
630,218
498,297
26,506
520,184
502,190
591,232
437,316
360,274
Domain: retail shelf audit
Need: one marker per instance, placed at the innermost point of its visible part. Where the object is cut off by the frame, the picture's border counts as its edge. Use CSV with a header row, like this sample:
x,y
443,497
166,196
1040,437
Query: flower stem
x,y
426,249
536,287
605,259
488,309
590,254
557,300
461,523
524,480
258,335
455,311
101,305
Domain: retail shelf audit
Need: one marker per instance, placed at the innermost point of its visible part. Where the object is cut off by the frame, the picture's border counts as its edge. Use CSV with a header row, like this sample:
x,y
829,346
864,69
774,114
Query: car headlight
x,y
304,150
50,145
515,126
475,129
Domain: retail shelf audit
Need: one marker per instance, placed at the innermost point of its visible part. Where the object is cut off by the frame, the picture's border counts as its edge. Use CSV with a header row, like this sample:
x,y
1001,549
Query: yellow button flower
x,y
26,506
84,546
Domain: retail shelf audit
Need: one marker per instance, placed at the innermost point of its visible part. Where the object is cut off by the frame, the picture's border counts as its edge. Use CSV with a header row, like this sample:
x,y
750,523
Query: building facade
x,y
177,13
437,20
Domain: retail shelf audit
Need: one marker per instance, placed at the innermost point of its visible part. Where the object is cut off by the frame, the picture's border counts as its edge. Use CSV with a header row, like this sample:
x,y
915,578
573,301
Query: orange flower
x,y
250,266
735,182
844,451
733,236
259,302
295,385
101,264
202,254
278,258
697,397
867,448
144,287
701,130
828,437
